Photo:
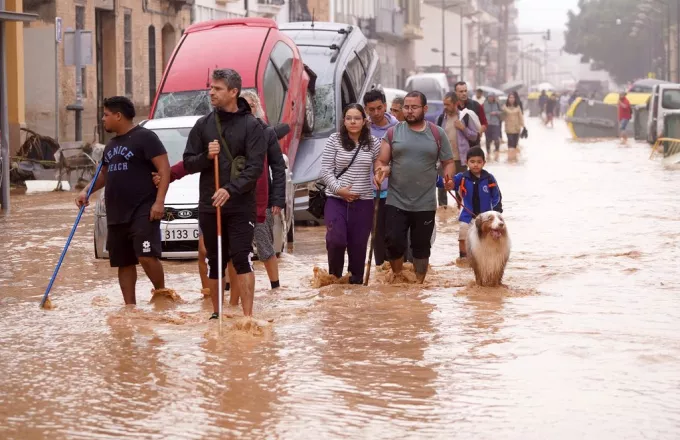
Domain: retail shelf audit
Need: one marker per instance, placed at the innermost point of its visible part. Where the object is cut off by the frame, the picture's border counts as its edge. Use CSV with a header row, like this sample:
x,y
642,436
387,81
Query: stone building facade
x,y
132,41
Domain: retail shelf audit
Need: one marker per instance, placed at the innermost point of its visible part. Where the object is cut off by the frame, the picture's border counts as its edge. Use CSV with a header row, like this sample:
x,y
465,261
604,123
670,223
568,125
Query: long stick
x,y
376,207
220,284
70,237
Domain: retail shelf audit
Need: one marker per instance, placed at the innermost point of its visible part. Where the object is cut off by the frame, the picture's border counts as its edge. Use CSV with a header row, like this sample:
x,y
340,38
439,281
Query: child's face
x,y
475,164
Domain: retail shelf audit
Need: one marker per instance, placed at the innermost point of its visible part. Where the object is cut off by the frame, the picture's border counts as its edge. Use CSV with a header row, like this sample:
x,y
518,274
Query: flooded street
x,y
583,343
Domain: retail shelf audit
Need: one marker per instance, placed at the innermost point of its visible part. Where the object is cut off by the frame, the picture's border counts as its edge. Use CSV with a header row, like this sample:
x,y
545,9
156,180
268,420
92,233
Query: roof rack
x,y
344,31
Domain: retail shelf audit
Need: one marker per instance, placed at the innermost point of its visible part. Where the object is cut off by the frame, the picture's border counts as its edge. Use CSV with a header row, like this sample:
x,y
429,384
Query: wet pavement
x,y
583,343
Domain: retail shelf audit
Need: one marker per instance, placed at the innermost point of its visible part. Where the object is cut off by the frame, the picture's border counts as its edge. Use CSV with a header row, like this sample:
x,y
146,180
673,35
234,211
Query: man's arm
x,y
101,180
98,184
196,154
255,152
278,167
381,165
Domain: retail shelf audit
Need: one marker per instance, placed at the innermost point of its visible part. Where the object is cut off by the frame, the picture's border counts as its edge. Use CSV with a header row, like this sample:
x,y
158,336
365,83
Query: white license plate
x,y
179,234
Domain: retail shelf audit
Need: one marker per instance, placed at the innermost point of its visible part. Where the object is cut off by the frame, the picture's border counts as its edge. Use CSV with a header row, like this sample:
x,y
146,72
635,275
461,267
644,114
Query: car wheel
x,y
309,122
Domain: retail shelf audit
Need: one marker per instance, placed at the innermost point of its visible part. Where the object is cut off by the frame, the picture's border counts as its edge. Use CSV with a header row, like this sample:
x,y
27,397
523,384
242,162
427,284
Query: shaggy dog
x,y
488,248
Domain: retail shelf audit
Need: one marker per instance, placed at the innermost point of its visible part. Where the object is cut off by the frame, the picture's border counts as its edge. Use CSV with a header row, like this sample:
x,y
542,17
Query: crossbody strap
x,y
350,163
224,142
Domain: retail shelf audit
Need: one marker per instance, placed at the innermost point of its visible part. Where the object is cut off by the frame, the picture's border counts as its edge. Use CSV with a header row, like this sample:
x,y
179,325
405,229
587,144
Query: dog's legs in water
x,y
420,266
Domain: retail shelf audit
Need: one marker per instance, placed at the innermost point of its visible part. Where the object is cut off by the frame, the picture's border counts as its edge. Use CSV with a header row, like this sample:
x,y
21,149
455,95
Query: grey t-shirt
x,y
414,168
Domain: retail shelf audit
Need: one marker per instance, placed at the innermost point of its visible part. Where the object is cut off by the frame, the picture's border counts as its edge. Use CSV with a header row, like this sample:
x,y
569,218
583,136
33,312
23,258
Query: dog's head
x,y
490,224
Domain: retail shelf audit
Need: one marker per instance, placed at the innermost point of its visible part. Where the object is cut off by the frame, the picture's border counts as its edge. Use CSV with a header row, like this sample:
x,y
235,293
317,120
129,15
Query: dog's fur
x,y
488,248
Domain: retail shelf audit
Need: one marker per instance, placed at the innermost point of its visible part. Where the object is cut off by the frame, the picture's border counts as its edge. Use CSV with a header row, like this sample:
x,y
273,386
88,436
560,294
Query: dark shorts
x,y
513,140
421,225
624,124
128,242
238,230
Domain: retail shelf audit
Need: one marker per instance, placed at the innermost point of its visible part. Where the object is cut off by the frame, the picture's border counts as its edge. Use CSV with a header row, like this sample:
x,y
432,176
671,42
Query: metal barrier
x,y
671,150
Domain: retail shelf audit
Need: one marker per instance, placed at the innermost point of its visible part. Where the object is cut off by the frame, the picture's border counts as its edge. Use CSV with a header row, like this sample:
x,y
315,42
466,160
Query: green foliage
x,y
601,34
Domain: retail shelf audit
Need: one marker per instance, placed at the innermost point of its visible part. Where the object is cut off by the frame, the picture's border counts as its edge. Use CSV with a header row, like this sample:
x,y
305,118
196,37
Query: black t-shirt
x,y
129,185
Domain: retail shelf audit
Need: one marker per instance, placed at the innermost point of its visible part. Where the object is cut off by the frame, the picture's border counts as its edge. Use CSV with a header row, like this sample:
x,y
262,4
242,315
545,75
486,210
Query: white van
x,y
665,98
433,85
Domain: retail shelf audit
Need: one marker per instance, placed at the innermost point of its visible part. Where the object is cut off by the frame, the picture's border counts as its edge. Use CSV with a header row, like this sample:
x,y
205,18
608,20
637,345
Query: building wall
x,y
166,23
432,27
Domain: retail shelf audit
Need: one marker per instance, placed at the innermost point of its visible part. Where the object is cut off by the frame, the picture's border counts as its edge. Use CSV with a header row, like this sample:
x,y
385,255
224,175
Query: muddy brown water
x,y
583,344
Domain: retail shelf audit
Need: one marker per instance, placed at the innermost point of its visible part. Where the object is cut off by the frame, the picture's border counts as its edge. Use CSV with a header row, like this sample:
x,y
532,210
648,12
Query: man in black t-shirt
x,y
231,125
134,206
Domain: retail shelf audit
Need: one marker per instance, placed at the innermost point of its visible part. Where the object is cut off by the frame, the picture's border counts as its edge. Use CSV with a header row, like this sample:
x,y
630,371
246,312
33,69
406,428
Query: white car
x,y
179,228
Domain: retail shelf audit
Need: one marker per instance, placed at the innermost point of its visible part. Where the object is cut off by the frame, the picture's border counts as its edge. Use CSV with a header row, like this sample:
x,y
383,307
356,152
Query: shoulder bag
x,y
238,163
317,198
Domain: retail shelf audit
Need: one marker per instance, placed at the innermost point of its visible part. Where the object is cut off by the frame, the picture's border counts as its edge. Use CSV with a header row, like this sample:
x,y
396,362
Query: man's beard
x,y
416,119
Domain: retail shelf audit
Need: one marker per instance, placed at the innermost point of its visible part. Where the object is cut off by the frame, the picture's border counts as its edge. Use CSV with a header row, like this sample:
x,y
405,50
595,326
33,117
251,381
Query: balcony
x,y
269,8
411,11
179,4
389,21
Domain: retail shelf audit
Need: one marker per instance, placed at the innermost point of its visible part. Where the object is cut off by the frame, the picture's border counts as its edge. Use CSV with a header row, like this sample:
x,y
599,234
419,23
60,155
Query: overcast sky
x,y
544,14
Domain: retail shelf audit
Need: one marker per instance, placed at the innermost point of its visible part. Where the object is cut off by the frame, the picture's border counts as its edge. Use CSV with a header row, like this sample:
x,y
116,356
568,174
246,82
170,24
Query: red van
x,y
268,61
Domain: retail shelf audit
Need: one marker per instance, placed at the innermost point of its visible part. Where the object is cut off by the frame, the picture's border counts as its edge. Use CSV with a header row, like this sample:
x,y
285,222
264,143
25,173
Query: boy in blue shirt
x,y
479,192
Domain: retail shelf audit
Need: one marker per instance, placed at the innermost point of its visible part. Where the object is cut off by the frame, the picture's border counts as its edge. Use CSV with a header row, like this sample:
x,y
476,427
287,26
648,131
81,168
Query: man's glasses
x,y
408,108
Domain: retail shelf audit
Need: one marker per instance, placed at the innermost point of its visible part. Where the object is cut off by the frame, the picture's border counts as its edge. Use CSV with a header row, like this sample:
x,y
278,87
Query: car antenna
x,y
207,80
313,12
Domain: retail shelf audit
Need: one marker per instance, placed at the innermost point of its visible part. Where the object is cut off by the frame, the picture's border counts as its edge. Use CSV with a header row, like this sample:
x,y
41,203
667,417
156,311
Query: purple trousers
x,y
348,228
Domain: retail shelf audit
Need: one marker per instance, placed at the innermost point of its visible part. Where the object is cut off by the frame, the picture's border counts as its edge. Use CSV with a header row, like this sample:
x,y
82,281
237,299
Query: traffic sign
x,y
58,31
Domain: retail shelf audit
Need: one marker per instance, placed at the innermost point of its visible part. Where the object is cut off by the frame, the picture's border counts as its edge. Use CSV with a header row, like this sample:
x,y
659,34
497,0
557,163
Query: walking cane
x,y
376,206
70,237
220,284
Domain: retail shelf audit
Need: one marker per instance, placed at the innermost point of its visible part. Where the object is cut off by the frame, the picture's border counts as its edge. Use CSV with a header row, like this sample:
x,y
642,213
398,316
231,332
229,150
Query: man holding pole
x,y
134,206
233,137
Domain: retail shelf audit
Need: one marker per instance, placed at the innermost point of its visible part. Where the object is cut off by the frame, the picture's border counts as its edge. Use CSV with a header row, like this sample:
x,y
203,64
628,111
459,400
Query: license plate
x,y
179,234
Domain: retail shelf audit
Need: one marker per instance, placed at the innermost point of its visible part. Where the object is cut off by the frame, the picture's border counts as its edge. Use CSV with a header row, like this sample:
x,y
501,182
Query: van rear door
x,y
667,100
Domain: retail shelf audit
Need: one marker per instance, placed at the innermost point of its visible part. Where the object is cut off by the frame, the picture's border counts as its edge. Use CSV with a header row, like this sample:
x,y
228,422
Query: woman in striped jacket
x,y
346,172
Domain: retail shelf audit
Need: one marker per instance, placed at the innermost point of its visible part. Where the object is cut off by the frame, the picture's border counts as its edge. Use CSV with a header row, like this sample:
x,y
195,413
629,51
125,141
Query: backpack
x,y
433,129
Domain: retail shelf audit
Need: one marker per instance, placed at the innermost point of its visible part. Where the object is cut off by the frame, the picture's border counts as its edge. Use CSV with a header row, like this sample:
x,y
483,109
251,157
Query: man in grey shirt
x,y
409,155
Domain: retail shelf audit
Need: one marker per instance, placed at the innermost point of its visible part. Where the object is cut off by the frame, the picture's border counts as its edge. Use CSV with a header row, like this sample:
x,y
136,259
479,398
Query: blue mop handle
x,y
70,237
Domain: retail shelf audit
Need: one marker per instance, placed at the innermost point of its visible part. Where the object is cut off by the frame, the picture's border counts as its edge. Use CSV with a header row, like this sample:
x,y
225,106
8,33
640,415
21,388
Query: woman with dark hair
x,y
346,172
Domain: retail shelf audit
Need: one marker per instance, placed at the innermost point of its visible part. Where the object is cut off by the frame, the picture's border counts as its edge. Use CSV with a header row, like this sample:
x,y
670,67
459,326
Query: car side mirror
x,y
281,130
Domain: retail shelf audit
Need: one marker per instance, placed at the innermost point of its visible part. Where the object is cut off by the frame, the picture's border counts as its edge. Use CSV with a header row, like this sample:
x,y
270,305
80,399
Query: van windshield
x,y
191,103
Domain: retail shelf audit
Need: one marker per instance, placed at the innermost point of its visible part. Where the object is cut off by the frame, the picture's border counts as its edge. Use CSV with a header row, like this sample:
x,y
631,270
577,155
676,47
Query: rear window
x,y
192,103
671,99
174,140
428,87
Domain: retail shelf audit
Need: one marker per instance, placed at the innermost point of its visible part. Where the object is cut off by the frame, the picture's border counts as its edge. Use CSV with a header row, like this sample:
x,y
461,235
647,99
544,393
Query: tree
x,y
601,34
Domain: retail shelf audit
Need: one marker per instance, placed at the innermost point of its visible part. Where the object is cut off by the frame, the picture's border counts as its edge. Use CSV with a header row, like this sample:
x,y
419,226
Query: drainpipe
x,y
331,13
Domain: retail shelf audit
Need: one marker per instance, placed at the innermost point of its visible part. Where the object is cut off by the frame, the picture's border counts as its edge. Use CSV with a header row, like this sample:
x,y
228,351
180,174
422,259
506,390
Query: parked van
x,y
346,67
267,60
433,85
665,98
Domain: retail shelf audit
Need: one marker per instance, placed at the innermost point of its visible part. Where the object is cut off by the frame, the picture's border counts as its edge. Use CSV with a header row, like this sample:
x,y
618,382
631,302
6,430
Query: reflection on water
x,y
582,342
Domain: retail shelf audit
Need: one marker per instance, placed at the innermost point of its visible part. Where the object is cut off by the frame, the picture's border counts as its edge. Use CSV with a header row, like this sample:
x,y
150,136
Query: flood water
x,y
582,344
